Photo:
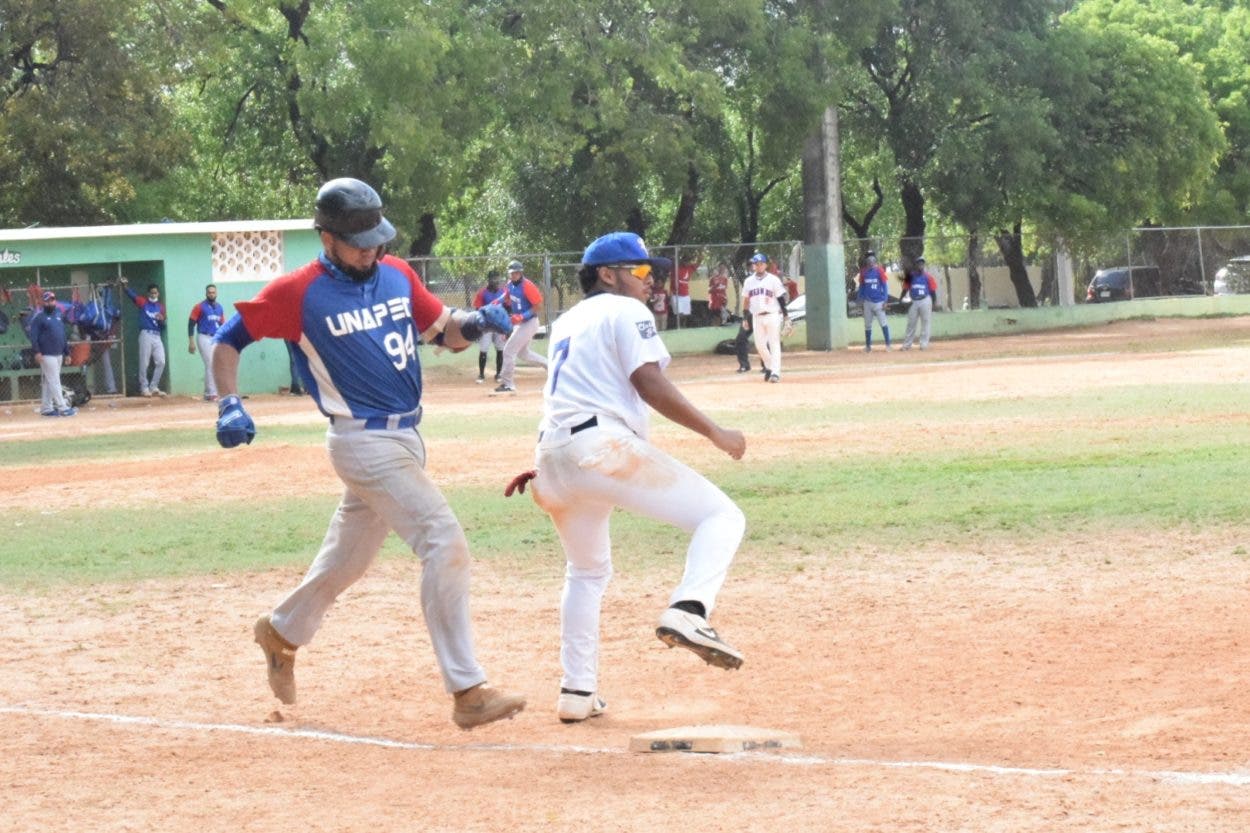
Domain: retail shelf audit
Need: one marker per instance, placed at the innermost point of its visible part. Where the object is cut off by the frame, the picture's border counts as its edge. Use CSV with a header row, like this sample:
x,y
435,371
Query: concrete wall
x,y
178,258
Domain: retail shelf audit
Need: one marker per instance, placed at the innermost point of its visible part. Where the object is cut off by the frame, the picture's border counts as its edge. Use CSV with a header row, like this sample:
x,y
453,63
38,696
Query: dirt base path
x,y
1086,683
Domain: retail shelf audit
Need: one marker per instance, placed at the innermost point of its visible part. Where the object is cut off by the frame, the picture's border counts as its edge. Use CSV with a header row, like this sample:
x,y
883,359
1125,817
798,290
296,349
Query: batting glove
x,y
490,317
234,426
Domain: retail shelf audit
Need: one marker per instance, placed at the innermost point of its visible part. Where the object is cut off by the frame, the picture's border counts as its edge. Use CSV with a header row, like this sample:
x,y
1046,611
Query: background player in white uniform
x,y
606,365
354,315
764,299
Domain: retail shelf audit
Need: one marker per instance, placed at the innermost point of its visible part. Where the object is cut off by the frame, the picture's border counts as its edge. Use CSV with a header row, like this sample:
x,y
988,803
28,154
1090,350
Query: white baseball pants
x,y
151,351
766,326
518,344
387,488
581,478
205,345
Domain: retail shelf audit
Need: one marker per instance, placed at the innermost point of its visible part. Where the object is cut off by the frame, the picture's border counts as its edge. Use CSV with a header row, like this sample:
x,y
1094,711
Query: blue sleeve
x,y
134,296
234,333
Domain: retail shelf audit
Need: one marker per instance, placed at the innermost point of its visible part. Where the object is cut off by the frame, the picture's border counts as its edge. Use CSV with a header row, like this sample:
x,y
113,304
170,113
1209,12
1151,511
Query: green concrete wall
x,y
181,265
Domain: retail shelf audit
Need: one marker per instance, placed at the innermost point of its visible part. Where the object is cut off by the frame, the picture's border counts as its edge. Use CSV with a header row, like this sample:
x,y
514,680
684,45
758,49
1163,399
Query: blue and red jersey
x,y
148,312
921,286
485,296
523,297
873,286
206,317
356,340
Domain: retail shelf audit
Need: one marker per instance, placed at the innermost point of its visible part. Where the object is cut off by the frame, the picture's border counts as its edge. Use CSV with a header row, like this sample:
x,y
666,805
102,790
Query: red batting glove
x,y
518,482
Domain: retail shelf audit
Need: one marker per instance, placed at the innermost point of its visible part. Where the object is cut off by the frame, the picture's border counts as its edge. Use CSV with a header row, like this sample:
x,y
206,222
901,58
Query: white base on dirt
x,y
717,738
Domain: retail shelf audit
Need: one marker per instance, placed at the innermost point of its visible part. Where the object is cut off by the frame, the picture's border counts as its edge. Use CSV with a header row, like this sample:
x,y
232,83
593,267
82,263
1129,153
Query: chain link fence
x,y
999,271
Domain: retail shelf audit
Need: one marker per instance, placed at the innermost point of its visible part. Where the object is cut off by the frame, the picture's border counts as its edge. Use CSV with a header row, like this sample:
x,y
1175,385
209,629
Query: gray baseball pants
x,y
52,395
205,344
919,312
519,345
387,488
151,351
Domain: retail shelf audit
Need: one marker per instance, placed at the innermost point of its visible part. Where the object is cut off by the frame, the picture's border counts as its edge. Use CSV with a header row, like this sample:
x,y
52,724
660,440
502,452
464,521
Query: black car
x,y
1121,283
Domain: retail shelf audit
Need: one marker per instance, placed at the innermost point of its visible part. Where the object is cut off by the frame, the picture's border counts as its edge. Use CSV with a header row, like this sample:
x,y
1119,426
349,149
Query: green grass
x,y
1180,462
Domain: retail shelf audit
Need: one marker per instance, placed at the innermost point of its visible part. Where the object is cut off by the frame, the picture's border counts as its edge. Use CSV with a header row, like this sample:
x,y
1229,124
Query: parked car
x,y
1234,277
1121,283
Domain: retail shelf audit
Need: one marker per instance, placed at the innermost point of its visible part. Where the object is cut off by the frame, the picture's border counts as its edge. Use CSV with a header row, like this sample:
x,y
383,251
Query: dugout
x,y
180,258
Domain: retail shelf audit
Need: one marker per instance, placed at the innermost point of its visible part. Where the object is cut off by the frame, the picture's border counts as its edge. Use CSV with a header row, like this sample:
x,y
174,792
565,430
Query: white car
x,y
1233,278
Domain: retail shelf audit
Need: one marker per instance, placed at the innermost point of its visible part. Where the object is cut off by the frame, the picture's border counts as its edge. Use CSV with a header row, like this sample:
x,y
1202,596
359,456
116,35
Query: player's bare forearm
x,y
226,369
662,395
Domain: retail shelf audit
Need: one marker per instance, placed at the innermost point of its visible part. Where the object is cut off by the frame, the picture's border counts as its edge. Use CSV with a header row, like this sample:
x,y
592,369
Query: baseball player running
x,y
355,315
921,288
524,301
874,292
205,319
764,299
606,366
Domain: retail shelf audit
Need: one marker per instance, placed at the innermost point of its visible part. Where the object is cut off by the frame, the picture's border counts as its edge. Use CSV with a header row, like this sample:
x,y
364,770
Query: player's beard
x,y
358,275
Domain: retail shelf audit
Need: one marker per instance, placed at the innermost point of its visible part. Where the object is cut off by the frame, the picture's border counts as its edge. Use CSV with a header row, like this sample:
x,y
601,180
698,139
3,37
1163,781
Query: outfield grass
x,y
1072,466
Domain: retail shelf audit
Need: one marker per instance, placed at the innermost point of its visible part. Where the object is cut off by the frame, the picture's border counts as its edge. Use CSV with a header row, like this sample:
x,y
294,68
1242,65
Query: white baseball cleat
x,y
576,706
692,632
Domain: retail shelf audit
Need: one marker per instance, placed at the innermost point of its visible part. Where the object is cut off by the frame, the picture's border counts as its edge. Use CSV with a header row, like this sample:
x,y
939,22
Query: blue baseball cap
x,y
759,257
621,247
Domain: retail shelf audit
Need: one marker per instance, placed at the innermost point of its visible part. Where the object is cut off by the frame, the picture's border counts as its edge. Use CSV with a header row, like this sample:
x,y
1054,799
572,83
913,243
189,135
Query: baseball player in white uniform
x,y
765,299
606,366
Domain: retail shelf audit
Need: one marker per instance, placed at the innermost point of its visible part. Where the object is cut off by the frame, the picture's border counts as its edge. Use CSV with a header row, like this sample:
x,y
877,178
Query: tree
x,y
83,118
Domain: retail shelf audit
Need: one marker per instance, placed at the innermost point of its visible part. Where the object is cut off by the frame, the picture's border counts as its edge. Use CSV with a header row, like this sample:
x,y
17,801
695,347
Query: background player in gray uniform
x,y
606,366
355,316
920,288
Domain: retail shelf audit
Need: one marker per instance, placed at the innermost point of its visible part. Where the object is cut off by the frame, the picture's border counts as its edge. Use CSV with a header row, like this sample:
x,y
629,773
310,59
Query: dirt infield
x,y
1057,686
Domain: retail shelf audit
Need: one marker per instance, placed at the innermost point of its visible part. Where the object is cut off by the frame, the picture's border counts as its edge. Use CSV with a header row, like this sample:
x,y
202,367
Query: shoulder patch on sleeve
x,y
646,329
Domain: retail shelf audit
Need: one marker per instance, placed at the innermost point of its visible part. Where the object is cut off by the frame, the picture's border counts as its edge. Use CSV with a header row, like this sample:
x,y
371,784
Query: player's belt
x,y
392,422
581,426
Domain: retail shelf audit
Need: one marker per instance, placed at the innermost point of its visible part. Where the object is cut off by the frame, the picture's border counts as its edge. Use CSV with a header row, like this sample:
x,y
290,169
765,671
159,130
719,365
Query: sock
x,y
886,332
498,362
481,364
867,338
691,606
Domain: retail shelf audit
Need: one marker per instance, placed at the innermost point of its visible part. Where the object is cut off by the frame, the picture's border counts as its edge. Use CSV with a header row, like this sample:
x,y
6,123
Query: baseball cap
x,y
49,296
919,260
621,247
515,266
759,257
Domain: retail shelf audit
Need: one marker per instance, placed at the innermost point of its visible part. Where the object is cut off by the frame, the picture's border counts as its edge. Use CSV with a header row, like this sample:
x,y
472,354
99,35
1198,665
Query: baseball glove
x,y
787,328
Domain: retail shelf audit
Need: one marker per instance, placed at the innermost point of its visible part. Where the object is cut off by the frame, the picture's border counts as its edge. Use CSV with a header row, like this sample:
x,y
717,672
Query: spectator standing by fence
x,y
205,318
48,338
151,349
718,294
658,302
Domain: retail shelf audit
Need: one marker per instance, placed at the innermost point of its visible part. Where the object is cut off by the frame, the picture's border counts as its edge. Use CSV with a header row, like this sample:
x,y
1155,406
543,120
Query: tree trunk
x,y
635,222
912,244
683,223
974,270
1011,245
423,243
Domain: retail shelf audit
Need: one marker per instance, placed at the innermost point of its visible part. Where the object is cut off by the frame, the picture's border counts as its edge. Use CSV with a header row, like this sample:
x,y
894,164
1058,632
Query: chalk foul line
x,y
1235,779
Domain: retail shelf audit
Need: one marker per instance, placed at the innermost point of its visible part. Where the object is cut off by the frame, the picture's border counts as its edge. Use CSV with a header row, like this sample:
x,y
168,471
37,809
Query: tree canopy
x,y
505,127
